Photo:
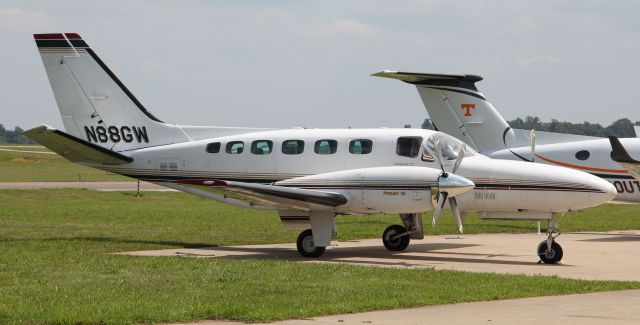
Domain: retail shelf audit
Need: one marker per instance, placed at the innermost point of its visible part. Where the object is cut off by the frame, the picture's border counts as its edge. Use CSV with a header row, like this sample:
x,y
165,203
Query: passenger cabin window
x,y
360,146
292,147
408,146
213,147
235,147
583,155
326,147
261,147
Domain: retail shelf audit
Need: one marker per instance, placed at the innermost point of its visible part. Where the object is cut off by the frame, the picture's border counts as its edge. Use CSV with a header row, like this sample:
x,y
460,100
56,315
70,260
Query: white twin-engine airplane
x,y
456,107
308,175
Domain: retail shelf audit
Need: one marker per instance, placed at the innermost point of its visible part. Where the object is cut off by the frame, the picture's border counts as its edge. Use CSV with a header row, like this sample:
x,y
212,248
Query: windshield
x,y
449,148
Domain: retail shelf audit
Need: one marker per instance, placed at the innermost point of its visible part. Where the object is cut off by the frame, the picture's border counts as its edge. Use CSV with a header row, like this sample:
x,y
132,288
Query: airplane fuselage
x,y
273,156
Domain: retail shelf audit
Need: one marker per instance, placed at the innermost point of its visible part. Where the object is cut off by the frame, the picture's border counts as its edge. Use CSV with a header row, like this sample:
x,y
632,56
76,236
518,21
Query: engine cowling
x,y
395,189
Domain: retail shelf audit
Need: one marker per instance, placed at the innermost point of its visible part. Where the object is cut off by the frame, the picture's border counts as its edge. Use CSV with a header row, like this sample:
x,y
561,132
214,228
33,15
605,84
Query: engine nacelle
x,y
396,189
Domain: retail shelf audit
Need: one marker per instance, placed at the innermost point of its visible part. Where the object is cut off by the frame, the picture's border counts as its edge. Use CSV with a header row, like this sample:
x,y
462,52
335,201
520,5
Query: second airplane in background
x,y
456,107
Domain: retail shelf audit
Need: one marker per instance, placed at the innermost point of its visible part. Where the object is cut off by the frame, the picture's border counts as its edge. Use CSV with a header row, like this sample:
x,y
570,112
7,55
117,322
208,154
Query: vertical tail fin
x,y
456,107
95,105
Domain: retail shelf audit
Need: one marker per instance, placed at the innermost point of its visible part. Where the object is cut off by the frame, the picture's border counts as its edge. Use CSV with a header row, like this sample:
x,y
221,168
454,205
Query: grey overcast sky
x,y
307,63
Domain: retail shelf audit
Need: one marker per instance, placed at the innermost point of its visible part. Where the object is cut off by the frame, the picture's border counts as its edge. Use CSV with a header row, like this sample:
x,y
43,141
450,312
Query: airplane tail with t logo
x,y
455,106
95,105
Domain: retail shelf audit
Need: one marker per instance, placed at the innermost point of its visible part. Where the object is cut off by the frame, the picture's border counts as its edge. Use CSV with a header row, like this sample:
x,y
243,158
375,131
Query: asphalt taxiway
x,y
590,256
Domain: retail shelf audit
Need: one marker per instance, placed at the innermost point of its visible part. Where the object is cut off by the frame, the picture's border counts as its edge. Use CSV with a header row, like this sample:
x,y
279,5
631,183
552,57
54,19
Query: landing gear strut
x,y
549,251
306,246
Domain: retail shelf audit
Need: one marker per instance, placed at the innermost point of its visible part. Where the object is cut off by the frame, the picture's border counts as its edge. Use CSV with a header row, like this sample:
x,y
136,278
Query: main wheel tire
x,y
551,256
395,244
306,247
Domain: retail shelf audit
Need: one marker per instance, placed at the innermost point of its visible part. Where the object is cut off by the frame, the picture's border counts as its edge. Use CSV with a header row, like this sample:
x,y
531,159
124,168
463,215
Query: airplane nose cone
x,y
454,184
609,191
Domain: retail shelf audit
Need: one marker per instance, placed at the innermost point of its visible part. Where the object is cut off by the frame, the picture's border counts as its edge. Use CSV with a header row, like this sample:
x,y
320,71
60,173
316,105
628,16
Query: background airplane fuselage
x,y
591,156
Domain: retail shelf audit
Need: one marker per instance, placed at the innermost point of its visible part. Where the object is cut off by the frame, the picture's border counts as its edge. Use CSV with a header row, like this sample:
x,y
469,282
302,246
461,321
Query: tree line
x,y
622,128
13,137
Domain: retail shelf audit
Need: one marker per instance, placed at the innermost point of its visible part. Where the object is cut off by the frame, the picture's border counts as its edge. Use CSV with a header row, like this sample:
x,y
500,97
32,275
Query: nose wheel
x,y
549,251
396,238
550,254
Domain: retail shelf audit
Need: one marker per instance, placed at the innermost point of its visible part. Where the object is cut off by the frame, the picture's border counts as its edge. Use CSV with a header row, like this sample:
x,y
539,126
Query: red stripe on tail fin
x,y
49,36
73,35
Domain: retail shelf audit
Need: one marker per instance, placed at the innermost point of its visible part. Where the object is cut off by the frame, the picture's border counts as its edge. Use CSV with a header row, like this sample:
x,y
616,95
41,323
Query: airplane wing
x,y
620,155
74,149
269,195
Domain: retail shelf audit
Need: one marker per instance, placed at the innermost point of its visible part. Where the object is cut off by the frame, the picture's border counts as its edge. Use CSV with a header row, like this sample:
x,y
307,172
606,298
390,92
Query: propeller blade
x,y
442,198
459,159
438,150
532,136
456,212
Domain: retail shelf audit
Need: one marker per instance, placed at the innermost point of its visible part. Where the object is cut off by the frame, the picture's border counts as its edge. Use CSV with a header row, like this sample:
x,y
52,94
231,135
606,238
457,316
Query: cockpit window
x,y
426,156
449,148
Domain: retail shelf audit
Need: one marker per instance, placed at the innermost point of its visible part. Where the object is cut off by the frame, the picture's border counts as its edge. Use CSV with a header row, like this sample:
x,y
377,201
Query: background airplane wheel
x,y
395,244
306,247
553,256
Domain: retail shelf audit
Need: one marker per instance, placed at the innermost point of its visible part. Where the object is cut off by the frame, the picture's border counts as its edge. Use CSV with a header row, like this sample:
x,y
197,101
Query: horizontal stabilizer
x,y
620,155
75,149
429,78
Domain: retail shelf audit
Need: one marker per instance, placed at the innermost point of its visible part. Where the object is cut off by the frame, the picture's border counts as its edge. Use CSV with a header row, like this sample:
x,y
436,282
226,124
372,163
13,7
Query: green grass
x,y
46,167
54,266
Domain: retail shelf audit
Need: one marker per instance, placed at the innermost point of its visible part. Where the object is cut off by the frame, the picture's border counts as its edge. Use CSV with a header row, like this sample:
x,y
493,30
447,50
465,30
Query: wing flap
x,y
74,149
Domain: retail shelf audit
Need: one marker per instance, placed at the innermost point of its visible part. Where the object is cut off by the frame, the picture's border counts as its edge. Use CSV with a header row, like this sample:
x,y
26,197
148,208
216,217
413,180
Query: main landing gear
x,y
306,246
549,251
396,237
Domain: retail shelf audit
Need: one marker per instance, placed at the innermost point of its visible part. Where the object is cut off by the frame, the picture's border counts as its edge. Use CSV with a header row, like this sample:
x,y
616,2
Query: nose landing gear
x,y
549,251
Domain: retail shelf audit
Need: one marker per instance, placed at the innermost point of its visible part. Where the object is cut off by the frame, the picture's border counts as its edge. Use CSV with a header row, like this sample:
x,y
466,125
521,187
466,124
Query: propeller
x,y
532,136
449,186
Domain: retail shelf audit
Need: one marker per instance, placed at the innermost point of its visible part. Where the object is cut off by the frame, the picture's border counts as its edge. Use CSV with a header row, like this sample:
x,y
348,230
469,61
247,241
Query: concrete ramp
x,y
590,256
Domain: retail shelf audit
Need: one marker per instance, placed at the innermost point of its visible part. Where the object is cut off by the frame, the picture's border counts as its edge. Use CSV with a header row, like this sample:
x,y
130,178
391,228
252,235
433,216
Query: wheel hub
x,y
307,244
549,253
392,237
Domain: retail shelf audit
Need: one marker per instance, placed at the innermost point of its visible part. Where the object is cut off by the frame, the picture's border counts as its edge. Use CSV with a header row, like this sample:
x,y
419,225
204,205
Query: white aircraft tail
x,y
457,107
95,105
